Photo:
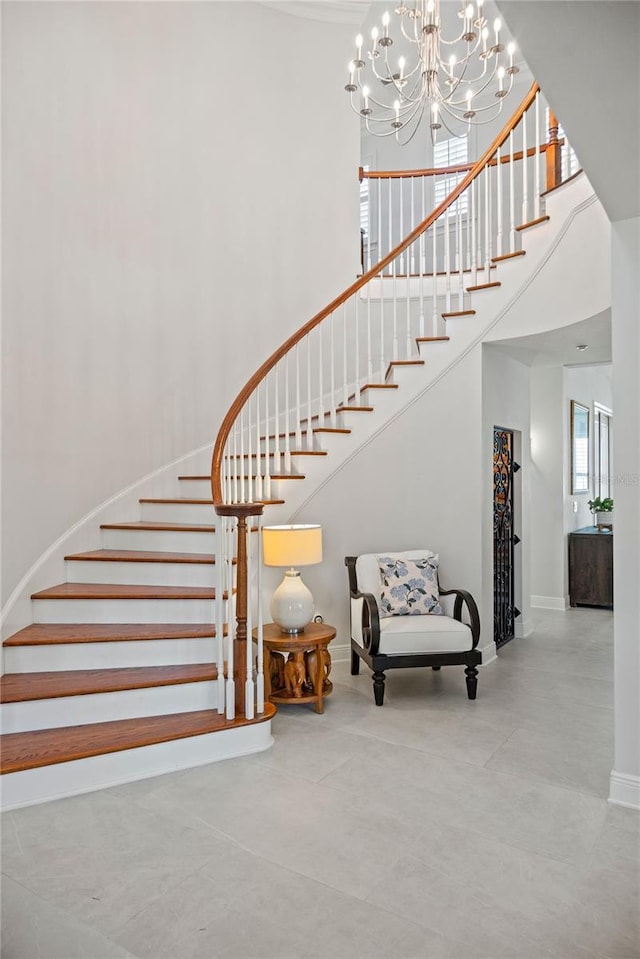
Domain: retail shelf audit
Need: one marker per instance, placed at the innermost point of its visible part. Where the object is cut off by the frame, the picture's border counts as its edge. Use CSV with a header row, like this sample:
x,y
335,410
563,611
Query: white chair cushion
x,y
423,634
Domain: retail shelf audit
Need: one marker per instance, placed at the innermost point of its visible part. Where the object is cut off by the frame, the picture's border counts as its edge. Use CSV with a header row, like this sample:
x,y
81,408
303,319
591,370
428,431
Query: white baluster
x,y
487,222
298,413
235,462
242,458
536,192
231,625
412,223
332,369
267,454
401,237
512,196
499,250
357,345
460,257
421,281
258,470
276,414
525,184
287,407
320,328
219,576
379,237
434,279
250,482
249,707
307,340
259,627
395,312
474,248
390,224
467,194
382,312
369,339
423,216
447,260
408,349
345,385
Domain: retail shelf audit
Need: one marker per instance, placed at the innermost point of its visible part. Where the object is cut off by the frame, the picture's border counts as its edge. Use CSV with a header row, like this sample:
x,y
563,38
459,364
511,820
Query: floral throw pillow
x,y
409,587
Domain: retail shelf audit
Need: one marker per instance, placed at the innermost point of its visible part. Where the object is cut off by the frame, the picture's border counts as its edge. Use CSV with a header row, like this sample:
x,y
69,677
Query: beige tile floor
x,y
433,827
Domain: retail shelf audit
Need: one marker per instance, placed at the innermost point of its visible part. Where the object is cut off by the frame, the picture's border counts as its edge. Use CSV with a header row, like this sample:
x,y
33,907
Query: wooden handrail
x,y
462,168
262,371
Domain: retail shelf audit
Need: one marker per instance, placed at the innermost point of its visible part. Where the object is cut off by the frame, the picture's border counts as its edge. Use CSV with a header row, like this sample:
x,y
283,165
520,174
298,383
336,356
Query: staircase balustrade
x,y
299,393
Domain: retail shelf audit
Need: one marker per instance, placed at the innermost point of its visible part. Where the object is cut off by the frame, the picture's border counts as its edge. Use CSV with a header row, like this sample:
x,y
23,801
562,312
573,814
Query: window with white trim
x,y
446,153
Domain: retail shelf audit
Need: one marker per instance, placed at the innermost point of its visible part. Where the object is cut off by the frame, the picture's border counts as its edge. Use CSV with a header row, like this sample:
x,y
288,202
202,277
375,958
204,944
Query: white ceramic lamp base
x,y
292,603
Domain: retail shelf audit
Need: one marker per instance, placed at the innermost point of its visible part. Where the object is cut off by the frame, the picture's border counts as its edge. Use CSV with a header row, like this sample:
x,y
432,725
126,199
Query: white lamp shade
x,y
292,545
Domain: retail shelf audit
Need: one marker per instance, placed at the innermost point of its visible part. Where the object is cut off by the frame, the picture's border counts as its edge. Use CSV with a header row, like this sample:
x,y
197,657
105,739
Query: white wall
x,y
168,196
552,502
548,438
625,777
414,484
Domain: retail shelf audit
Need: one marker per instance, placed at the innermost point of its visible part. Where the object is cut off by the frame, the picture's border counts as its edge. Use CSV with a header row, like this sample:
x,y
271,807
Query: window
x,y
447,153
602,451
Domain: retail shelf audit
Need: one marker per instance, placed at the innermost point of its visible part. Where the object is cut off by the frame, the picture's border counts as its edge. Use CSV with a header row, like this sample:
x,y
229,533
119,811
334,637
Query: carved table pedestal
x,y
297,667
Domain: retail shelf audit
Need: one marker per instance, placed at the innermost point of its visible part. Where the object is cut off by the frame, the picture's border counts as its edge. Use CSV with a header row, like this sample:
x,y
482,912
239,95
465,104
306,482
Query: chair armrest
x,y
462,596
370,622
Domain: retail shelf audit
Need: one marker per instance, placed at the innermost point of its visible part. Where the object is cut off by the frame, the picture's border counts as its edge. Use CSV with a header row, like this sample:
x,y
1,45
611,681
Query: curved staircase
x,y
127,670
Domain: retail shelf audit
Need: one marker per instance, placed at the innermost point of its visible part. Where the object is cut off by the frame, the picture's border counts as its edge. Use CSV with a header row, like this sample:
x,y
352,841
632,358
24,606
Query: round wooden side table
x,y
297,667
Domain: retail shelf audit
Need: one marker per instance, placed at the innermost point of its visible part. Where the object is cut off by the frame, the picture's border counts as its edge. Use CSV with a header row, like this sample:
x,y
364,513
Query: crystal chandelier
x,y
455,82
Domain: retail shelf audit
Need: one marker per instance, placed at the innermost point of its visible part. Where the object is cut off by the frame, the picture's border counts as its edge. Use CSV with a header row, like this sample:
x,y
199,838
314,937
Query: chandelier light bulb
x,y
469,11
497,25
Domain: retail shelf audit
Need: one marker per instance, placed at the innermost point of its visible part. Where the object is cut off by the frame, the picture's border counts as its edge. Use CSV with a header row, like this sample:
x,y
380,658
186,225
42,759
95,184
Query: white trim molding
x,y
624,790
560,603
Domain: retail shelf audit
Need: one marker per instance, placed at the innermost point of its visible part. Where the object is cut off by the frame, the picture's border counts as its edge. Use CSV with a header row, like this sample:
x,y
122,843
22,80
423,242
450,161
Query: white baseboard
x,y
624,790
560,603
523,628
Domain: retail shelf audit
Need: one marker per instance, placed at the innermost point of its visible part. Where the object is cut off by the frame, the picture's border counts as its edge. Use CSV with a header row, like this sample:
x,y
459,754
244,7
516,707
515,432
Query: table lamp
x,y
292,603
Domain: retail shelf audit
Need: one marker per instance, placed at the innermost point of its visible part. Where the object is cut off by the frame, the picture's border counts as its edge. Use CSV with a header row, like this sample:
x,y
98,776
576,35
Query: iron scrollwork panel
x,y
504,609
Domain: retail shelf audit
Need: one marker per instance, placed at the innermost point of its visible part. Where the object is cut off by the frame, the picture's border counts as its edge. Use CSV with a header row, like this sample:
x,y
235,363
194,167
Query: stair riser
x,y
166,541
203,514
141,574
275,489
107,707
150,652
123,611
99,772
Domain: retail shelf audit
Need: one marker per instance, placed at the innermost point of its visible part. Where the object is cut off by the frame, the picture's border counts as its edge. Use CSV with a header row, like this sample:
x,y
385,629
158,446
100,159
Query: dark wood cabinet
x,y
591,567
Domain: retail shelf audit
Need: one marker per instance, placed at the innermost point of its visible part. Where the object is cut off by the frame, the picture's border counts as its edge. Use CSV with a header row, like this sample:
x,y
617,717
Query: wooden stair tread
x,y
163,527
354,409
507,256
25,687
539,219
140,556
46,747
432,339
483,286
379,386
53,634
278,476
330,429
117,591
203,502
446,316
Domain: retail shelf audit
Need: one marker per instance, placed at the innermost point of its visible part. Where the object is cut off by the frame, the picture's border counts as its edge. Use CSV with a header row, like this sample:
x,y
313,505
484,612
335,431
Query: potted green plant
x,y
602,509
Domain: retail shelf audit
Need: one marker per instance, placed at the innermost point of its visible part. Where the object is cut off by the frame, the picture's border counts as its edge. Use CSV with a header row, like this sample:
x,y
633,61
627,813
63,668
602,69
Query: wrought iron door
x,y
504,537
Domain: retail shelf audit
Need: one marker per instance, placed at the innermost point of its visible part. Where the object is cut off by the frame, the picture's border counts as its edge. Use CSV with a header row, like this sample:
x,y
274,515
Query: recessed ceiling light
x,y
582,347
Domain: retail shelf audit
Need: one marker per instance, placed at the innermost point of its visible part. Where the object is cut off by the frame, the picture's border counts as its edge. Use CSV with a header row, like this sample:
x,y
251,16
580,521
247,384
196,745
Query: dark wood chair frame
x,y
379,662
